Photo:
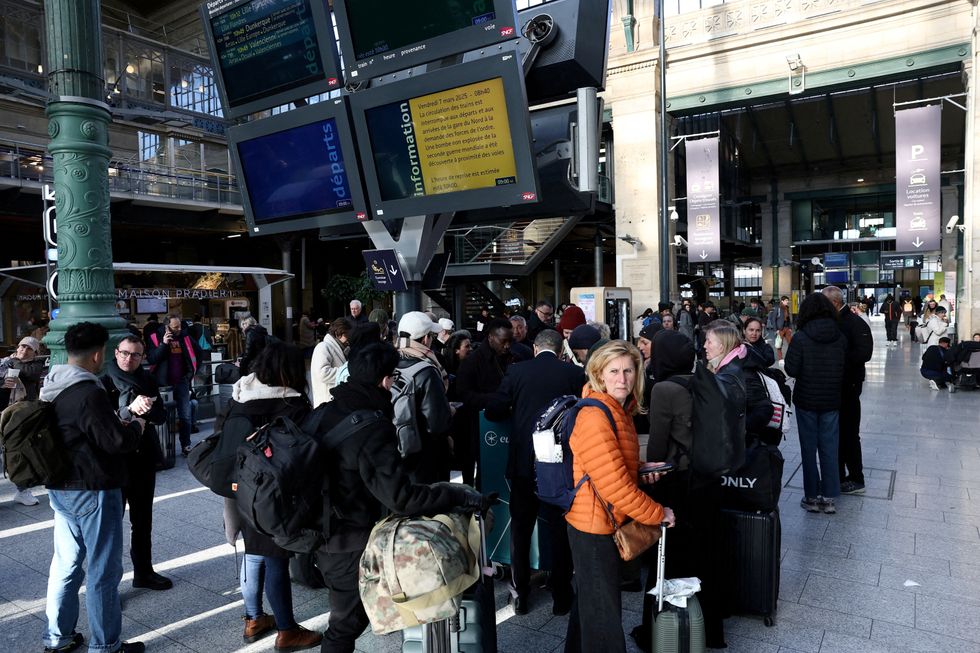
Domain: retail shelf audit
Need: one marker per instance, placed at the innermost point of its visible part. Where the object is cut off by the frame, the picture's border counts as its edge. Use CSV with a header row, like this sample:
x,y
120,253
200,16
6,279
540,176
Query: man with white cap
x,y
21,373
431,413
446,328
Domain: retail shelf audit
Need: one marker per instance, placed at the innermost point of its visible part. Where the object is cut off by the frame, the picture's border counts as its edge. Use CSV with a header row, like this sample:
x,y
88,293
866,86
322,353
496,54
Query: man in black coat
x,y
542,317
527,389
134,393
367,480
860,346
477,379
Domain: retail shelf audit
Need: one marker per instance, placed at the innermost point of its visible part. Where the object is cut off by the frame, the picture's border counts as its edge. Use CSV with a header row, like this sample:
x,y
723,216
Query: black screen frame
x,y
337,109
506,66
329,61
503,28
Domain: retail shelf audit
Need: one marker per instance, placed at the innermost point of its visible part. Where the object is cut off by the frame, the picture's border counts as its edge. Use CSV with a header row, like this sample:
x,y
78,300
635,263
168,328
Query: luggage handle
x,y
660,566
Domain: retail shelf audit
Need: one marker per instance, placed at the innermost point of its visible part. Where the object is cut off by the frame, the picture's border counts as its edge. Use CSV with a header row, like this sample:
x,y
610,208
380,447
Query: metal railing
x,y
513,243
27,162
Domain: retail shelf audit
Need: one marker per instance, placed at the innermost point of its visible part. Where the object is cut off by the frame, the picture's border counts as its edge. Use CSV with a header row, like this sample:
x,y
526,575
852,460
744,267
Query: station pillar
x,y
78,122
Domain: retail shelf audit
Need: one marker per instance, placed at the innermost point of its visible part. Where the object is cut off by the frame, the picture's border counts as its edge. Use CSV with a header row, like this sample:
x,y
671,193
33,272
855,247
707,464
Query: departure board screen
x,y
264,48
296,172
443,142
378,26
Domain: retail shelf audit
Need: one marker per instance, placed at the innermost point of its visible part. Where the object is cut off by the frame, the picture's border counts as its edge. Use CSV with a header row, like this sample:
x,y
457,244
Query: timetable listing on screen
x,y
264,48
453,140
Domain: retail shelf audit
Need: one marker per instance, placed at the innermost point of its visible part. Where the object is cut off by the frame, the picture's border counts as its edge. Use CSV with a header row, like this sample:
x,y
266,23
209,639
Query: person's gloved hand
x,y
474,500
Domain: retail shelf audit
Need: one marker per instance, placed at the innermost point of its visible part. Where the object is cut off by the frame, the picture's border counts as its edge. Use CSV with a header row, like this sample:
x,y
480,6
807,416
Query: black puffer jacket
x,y
860,346
758,406
815,358
367,475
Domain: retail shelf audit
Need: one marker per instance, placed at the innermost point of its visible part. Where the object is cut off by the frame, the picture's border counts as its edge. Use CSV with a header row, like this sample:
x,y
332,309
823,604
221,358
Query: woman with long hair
x,y
609,455
275,388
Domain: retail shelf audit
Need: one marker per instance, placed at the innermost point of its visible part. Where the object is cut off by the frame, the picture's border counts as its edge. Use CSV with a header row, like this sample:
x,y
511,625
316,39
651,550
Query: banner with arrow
x,y
917,163
703,228
384,271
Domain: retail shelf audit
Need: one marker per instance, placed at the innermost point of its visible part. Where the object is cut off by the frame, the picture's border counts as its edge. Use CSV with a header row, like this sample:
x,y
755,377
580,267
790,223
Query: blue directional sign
x,y
383,268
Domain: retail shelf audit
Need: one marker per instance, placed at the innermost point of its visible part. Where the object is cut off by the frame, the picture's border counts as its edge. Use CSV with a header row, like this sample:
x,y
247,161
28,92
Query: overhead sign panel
x,y
454,139
900,261
917,159
383,269
382,36
703,228
269,52
836,260
298,170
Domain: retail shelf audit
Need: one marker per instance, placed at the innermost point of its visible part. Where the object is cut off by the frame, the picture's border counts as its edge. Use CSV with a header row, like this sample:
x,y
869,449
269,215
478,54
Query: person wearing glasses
x,y
541,318
133,392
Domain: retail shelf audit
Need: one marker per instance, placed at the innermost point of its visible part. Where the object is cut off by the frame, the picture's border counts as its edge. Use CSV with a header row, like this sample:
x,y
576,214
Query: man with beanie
x,y
367,480
581,340
24,386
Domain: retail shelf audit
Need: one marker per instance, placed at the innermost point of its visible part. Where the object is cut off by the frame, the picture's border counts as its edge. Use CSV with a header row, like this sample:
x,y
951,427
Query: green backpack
x,y
33,451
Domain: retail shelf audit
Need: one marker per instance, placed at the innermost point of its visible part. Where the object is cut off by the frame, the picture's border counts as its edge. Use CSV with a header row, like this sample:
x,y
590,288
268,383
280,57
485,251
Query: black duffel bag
x,y
756,484
225,373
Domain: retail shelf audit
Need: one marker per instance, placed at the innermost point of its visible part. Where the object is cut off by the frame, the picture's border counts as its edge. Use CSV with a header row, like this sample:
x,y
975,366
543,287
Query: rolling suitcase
x,y
473,629
750,545
675,630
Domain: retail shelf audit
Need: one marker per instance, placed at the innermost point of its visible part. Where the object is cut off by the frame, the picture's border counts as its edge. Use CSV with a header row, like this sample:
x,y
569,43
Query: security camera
x,y
952,224
680,241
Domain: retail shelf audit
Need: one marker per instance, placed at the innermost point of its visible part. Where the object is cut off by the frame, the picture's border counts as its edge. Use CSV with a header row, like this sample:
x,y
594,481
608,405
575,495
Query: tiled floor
x,y
882,575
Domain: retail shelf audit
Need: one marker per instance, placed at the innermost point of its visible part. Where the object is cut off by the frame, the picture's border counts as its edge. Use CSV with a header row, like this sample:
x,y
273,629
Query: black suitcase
x,y
750,546
167,433
473,629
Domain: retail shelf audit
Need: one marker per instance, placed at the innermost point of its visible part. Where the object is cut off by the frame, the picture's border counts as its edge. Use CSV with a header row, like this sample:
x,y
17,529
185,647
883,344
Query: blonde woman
x,y
609,456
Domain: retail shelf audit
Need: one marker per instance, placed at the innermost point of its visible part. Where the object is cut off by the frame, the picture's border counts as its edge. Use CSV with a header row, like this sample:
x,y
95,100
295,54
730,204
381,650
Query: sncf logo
x,y
332,81
507,31
361,216
529,197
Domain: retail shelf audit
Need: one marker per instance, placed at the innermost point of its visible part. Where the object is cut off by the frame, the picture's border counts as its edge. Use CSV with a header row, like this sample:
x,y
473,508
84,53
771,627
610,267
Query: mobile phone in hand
x,y
655,468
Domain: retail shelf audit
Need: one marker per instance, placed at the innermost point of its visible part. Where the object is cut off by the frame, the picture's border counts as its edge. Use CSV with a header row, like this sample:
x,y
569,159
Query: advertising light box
x,y
381,36
269,52
454,139
298,170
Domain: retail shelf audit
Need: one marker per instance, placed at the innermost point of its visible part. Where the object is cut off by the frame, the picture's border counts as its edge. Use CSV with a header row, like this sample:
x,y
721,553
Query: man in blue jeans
x,y
936,364
88,503
174,357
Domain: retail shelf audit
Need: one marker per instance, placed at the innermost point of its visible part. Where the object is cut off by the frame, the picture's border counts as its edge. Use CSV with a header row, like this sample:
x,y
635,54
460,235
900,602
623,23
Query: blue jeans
x,y
272,574
182,397
941,378
87,527
819,433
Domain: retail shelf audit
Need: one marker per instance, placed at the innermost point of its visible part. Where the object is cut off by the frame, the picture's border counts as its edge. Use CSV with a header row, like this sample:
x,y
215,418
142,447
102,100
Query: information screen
x,y
382,36
461,133
266,48
379,26
443,142
298,170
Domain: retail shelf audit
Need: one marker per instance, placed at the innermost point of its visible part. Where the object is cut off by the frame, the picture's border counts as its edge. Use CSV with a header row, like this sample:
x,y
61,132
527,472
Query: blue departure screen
x,y
296,172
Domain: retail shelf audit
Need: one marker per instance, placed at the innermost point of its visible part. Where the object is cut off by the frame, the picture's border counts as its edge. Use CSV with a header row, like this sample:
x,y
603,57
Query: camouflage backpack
x,y
414,570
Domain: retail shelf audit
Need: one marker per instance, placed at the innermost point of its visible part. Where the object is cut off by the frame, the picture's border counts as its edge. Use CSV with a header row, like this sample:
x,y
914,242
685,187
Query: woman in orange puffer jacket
x,y
611,460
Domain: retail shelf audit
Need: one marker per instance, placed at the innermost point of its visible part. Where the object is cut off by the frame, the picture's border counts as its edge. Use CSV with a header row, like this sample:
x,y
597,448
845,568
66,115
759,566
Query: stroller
x,y
966,364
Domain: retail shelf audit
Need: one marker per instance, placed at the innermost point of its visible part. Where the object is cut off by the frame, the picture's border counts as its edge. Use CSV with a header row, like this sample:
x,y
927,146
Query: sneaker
x,y
810,505
185,450
951,388
131,647
932,384
828,507
25,498
76,641
851,487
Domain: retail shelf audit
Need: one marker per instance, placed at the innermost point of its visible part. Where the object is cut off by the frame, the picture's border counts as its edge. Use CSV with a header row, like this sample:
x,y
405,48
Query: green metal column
x,y
78,122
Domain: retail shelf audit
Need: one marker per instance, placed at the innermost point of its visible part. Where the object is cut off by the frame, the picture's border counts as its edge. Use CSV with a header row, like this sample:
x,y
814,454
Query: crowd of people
x,y
431,381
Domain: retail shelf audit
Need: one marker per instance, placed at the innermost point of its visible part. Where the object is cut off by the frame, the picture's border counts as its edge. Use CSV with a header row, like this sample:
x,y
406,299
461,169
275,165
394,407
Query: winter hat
x,y
571,318
378,315
650,330
583,337
31,342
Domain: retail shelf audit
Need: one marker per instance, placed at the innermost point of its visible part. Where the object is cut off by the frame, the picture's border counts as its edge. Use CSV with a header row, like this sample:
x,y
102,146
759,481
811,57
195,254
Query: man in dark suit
x,y
527,389
860,346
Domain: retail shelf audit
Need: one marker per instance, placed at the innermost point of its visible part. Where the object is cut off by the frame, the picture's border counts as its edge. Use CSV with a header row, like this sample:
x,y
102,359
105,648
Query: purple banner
x,y
917,159
703,228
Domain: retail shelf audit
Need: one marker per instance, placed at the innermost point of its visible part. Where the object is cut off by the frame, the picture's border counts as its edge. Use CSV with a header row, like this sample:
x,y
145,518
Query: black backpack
x,y
34,452
717,425
281,476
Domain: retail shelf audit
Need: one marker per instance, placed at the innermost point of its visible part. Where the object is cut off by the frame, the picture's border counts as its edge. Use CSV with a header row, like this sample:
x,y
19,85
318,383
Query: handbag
x,y
631,537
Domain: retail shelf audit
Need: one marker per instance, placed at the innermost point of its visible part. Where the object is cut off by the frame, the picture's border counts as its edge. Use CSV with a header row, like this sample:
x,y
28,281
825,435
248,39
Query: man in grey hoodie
x,y
88,504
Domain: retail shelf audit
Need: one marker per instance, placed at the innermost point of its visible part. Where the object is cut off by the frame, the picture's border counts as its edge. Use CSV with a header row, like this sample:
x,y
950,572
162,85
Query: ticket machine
x,y
611,306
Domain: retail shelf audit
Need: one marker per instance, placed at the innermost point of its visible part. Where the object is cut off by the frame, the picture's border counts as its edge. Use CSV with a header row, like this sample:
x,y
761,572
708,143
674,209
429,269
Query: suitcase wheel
x,y
499,571
769,622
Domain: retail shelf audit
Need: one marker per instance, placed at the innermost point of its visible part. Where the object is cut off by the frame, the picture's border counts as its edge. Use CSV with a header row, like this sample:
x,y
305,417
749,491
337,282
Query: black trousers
x,y
139,495
596,622
849,451
891,330
348,620
524,511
